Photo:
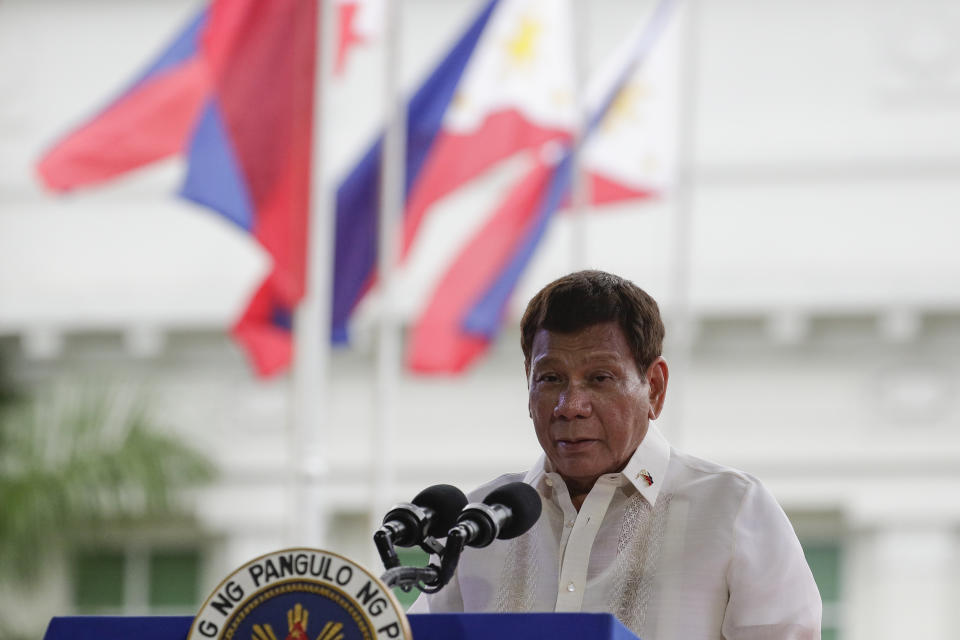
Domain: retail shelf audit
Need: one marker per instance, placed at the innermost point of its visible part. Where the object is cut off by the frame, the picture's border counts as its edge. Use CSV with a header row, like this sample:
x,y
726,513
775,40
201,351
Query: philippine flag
x,y
627,155
630,154
504,86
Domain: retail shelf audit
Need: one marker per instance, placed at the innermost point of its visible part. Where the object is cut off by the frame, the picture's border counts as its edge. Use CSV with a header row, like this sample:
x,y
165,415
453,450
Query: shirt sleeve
x,y
772,592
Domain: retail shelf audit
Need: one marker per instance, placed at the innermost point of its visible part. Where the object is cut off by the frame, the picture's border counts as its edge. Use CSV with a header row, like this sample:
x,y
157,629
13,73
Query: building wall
x,y
825,151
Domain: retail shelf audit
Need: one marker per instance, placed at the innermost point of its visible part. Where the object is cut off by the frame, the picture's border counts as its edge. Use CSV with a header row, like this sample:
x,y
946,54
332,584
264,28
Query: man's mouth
x,y
573,446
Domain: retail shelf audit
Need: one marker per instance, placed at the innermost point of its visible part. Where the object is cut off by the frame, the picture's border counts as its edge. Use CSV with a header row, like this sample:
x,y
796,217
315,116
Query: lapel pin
x,y
646,477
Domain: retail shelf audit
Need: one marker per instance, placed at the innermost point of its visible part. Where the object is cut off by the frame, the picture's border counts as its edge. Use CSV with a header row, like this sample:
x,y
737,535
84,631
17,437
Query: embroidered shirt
x,y
674,546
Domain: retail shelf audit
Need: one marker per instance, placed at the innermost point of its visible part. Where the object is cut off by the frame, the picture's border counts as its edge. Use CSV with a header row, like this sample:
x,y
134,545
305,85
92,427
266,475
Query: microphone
x,y
432,512
505,513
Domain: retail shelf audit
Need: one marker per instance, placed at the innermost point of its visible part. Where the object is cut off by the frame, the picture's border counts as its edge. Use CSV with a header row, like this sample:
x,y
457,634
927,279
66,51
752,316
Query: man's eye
x,y
548,377
602,377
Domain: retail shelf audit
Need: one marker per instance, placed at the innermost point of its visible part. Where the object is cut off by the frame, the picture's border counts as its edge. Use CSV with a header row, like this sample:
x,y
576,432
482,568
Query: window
x,y
137,581
98,581
824,560
174,579
822,534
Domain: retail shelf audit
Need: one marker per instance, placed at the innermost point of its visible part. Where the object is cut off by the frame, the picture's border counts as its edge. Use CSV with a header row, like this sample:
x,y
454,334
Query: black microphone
x,y
432,512
505,513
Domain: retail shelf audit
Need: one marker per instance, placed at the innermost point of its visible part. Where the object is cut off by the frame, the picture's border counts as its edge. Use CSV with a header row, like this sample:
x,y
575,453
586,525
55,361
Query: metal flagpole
x,y
682,325
580,198
312,318
392,180
681,316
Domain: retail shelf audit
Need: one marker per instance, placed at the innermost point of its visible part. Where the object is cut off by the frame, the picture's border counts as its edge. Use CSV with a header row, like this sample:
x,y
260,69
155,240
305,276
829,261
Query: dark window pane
x,y
174,579
824,561
98,581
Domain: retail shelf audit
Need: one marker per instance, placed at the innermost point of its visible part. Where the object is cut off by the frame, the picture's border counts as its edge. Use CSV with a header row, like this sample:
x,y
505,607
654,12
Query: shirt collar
x,y
646,469
537,473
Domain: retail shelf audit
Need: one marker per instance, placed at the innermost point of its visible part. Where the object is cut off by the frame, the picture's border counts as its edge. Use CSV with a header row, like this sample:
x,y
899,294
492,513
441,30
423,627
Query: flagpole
x,y
682,228
581,196
392,193
311,338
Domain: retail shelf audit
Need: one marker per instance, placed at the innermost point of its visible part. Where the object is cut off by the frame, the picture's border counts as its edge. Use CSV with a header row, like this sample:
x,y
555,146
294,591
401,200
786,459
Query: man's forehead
x,y
553,358
598,341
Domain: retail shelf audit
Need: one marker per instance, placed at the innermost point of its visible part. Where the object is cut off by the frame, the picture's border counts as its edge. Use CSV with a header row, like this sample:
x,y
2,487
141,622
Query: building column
x,y
902,583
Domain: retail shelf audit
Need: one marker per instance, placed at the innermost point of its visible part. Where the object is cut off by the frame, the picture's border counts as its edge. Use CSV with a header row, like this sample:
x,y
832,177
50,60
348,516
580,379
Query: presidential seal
x,y
301,594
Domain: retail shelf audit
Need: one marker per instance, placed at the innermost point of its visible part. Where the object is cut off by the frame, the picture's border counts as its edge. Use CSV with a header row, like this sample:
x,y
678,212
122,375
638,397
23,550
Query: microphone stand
x,y
388,555
430,578
456,539
409,577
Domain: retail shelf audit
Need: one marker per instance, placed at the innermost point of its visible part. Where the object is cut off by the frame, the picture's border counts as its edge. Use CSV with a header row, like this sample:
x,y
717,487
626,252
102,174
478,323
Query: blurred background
x,y
802,243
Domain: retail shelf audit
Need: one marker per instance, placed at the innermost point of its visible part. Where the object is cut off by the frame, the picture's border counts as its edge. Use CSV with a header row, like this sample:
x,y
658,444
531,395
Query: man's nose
x,y
572,403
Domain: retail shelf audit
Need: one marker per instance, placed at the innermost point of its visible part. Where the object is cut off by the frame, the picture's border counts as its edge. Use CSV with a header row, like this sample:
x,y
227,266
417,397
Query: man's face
x,y
590,405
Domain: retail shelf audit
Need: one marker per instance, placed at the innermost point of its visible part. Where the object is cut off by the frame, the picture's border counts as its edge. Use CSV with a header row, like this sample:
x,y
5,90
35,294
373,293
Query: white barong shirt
x,y
676,547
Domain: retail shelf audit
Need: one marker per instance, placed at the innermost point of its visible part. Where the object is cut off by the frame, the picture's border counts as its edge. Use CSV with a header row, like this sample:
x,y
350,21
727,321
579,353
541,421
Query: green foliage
x,y
76,460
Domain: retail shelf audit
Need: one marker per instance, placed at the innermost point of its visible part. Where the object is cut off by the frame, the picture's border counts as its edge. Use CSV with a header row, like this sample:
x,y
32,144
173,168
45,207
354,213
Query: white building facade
x,y
822,157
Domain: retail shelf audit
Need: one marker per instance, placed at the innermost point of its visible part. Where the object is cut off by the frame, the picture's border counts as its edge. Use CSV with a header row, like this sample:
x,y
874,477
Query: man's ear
x,y
657,377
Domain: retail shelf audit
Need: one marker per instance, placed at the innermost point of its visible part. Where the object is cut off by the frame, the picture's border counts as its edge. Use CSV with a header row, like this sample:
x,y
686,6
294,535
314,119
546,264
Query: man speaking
x,y
674,546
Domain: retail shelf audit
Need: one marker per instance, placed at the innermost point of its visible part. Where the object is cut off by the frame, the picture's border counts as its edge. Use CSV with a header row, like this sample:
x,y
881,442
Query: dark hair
x,y
585,298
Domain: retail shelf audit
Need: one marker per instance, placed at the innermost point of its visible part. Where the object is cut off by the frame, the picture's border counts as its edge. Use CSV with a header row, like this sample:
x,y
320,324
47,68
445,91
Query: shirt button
x,y
569,524
571,587
549,482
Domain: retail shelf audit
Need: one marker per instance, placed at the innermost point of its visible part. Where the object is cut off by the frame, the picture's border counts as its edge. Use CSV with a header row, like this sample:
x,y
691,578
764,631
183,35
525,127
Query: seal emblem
x,y
301,594
297,626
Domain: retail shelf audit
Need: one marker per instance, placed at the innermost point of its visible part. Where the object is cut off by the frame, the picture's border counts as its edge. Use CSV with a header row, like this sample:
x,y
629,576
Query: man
x,y
674,546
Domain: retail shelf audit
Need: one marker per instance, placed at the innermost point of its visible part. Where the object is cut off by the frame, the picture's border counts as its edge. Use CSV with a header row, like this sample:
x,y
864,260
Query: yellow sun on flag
x,y
522,45
626,106
561,97
460,101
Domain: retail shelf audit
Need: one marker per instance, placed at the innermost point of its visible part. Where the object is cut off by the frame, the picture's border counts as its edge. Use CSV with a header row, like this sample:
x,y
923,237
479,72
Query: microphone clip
x,y
427,579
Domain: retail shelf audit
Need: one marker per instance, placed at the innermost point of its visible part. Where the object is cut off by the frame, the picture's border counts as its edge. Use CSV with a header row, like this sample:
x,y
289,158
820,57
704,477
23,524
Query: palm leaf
x,y
79,459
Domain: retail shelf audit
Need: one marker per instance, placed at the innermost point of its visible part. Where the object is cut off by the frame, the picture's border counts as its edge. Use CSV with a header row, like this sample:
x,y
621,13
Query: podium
x,y
438,626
